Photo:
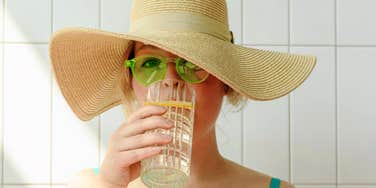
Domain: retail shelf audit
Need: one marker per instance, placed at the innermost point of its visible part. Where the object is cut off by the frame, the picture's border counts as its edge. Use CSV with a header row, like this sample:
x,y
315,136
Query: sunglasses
x,y
148,69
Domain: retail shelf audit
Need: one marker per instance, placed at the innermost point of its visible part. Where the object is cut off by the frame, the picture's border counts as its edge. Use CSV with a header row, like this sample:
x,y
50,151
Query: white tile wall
x,y
1,25
73,142
313,118
265,22
356,186
356,22
312,21
67,13
235,13
229,133
316,186
357,115
115,15
26,186
26,114
319,136
266,134
2,104
28,21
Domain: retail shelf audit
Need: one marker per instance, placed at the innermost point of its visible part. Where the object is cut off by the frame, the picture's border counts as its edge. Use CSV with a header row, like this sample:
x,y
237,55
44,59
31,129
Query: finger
x,y
146,111
141,125
133,156
144,140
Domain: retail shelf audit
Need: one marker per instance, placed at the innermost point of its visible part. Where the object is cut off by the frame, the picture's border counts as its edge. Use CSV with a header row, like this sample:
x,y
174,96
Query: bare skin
x,y
208,167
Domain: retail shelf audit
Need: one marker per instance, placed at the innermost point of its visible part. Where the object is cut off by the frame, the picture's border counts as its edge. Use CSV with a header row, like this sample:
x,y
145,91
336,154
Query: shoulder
x,y
253,178
83,178
86,178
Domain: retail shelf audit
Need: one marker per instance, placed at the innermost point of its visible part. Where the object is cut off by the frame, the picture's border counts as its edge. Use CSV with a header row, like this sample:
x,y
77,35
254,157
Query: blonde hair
x,y
236,99
128,97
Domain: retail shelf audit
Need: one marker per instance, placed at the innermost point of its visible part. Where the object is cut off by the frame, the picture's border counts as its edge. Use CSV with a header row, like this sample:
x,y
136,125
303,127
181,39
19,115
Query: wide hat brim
x,y
87,62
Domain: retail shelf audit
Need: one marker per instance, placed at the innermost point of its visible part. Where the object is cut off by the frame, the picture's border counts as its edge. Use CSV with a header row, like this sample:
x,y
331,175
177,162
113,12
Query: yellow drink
x,y
171,167
177,104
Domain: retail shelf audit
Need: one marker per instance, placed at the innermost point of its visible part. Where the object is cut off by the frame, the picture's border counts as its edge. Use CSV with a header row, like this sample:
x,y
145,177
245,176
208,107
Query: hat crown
x,y
214,9
181,15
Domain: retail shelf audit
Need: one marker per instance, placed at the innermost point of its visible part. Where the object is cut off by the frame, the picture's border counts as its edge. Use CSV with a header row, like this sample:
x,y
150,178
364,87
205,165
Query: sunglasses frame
x,y
131,64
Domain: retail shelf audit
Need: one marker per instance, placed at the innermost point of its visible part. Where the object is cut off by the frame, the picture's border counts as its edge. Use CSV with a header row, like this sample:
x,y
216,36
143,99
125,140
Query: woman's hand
x,y
128,145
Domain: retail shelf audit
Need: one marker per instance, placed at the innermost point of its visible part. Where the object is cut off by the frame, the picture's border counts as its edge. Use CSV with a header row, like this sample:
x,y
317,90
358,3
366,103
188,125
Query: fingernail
x,y
170,122
157,148
163,108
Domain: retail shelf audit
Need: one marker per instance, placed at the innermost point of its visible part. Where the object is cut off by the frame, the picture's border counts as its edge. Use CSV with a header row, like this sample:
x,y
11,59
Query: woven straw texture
x,y
213,9
87,62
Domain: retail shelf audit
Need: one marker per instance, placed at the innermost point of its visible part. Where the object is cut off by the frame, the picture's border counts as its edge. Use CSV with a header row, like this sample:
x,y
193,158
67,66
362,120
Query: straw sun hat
x,y
88,63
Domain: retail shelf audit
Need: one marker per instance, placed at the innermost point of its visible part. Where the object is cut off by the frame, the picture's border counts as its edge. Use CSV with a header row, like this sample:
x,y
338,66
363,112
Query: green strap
x,y
274,183
96,171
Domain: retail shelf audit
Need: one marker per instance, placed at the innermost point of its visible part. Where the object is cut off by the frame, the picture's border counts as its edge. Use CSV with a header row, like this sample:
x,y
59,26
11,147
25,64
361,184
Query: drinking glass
x,y
171,167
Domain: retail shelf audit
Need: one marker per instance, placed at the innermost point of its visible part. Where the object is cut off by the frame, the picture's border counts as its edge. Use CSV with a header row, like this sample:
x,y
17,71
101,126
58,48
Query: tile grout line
x,y
17,42
51,98
289,96
242,111
316,45
259,44
2,97
100,14
336,91
99,141
99,117
308,184
341,184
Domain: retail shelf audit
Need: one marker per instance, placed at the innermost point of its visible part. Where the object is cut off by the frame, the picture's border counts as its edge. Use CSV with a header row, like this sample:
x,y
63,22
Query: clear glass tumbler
x,y
171,168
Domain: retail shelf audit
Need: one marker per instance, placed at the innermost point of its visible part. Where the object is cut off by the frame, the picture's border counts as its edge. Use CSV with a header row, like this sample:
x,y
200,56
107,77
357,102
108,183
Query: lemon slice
x,y
187,105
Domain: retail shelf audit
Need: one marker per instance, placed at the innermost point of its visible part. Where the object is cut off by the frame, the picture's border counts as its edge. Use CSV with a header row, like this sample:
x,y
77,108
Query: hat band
x,y
177,21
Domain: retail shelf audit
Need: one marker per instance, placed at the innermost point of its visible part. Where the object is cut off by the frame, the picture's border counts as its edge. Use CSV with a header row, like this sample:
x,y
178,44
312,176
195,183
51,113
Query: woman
x,y
208,169
89,69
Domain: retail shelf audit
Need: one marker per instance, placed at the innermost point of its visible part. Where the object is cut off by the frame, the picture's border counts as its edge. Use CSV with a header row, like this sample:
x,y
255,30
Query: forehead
x,y
140,45
145,48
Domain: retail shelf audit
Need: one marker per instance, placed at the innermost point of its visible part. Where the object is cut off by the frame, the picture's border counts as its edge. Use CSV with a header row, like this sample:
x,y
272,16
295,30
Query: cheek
x,y
208,104
139,90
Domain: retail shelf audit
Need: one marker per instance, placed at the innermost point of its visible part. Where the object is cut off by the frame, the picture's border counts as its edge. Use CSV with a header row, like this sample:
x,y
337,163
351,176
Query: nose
x,y
172,79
